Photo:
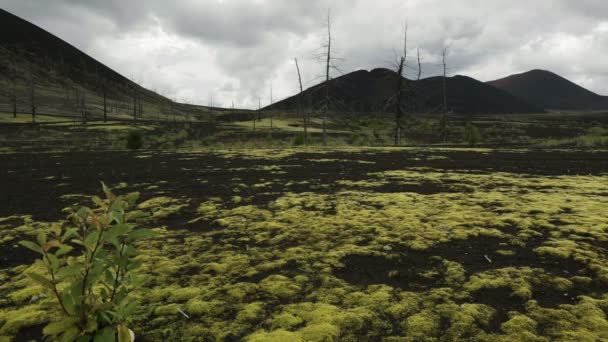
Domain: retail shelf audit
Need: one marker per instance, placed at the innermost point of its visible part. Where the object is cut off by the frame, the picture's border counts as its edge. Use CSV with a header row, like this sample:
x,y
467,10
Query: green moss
x,y
320,332
183,294
280,286
521,328
275,336
423,325
11,321
197,308
252,312
286,321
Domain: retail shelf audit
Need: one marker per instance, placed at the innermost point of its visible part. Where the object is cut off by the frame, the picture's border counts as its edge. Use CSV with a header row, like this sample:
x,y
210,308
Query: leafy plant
x,y
471,134
135,139
89,263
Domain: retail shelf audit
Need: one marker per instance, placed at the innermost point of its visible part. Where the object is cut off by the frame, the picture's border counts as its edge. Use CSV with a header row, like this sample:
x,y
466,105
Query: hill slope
x,y
366,91
548,90
66,82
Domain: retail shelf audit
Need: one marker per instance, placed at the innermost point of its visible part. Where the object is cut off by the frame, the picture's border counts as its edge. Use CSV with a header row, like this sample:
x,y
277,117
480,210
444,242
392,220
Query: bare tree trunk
x,y
300,111
33,96
445,99
398,109
415,88
270,112
173,111
134,104
83,107
327,66
105,109
13,80
233,112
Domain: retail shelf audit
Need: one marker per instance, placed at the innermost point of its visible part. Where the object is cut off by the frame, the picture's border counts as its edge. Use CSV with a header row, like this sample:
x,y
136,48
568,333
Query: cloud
x,y
234,50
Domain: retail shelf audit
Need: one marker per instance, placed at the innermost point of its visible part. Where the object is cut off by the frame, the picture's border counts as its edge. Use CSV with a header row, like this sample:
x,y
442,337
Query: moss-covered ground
x,y
336,245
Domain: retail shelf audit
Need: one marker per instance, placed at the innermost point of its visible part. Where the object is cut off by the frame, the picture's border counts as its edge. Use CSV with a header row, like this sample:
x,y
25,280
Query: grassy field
x,y
552,130
349,244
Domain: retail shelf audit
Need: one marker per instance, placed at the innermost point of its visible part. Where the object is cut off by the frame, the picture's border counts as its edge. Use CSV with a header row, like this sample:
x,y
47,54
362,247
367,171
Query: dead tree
x,y
415,87
13,80
327,66
105,108
134,103
444,108
300,111
259,115
270,111
83,106
33,96
259,108
327,57
399,91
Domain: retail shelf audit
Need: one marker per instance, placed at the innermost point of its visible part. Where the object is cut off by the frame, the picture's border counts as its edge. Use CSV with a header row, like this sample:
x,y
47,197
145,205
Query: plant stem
x,y
55,285
86,276
122,248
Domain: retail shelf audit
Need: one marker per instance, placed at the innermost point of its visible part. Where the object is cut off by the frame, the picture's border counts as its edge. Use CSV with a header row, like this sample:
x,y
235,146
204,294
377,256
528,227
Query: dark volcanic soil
x,y
34,183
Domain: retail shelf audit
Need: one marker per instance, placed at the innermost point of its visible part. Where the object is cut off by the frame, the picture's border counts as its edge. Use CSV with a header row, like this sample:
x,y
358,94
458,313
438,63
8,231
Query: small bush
x,y
471,134
299,139
135,139
93,291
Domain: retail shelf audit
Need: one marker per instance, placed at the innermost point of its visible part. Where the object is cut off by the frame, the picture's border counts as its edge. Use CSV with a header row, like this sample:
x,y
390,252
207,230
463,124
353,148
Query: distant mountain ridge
x,y
368,91
66,75
550,91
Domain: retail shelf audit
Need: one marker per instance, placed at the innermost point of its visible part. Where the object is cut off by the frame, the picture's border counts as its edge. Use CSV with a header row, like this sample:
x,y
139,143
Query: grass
x,y
441,255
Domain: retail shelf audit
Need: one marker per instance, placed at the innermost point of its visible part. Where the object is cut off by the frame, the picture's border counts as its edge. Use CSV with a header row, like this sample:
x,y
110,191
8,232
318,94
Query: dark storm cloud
x,y
234,49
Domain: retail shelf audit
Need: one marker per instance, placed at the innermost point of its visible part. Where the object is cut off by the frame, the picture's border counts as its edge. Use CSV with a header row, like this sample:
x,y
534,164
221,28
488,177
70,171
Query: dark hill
x,y
548,90
367,91
64,76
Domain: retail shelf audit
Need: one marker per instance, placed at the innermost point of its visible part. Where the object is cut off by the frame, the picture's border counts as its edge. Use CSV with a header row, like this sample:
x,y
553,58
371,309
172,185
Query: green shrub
x,y
361,139
135,139
299,139
92,291
597,131
471,134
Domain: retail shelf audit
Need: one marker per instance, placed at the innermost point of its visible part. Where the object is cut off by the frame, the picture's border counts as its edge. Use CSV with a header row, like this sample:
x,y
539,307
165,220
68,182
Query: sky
x,y
219,51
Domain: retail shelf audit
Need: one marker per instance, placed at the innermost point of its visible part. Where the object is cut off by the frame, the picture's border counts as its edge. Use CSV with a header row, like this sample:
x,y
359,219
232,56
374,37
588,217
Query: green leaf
x,y
82,213
68,301
91,326
70,335
107,191
141,234
117,217
68,271
120,229
32,246
123,334
59,327
41,238
117,207
41,280
63,250
69,233
91,240
105,335
132,198
53,260
99,202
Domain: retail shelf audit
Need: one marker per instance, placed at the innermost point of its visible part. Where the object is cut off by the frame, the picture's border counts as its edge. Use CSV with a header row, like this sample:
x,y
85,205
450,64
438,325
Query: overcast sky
x,y
193,50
